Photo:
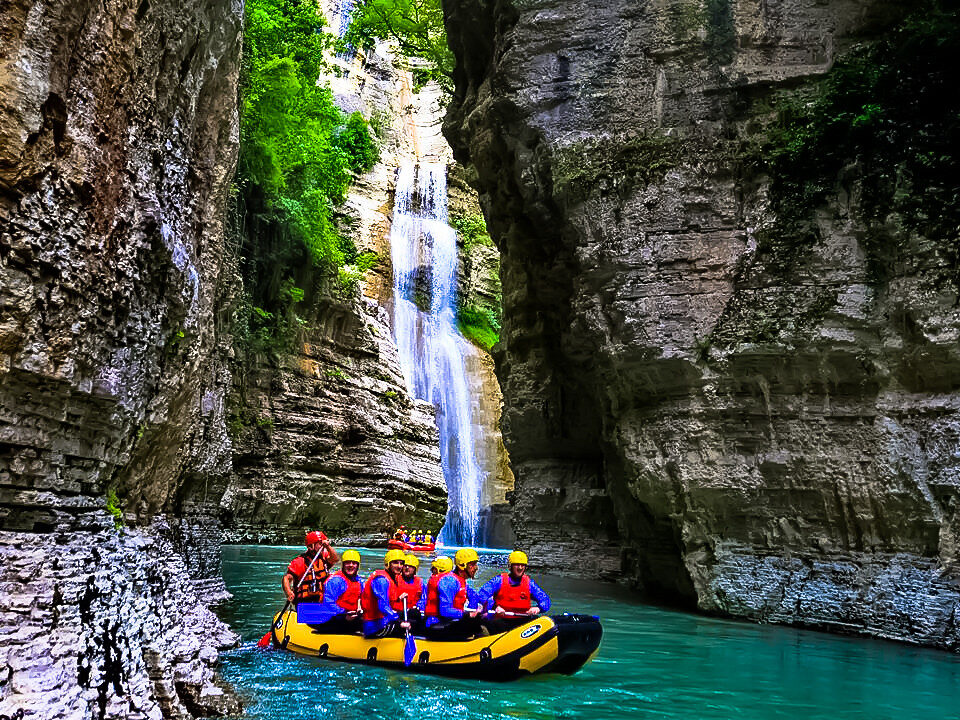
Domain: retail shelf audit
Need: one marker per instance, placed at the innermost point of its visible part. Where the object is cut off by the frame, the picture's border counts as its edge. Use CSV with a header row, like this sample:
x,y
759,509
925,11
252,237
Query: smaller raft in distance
x,y
395,544
546,644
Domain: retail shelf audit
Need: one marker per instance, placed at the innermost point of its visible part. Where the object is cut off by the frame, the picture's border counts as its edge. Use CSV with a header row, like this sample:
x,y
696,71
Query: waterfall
x,y
424,253
341,11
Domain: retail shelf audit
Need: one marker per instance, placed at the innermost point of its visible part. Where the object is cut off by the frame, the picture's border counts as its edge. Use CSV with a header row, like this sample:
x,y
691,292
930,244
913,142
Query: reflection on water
x,y
653,663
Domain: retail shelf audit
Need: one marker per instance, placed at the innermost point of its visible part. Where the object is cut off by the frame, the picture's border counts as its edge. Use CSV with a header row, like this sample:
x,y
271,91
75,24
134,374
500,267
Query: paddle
x,y
409,644
265,640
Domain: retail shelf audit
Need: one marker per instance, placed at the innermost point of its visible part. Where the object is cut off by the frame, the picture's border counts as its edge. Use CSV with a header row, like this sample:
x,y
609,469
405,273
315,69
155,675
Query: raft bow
x,y
546,644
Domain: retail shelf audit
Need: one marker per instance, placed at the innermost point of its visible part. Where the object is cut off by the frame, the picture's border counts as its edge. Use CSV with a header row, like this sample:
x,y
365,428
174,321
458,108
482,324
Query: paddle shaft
x,y
409,644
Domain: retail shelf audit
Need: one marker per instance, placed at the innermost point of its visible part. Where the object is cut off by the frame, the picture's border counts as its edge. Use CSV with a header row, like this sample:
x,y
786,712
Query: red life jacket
x,y
311,589
368,601
513,598
413,589
433,594
351,596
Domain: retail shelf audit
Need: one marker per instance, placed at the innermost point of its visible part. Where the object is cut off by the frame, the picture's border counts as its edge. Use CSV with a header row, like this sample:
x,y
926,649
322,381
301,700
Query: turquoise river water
x,y
653,663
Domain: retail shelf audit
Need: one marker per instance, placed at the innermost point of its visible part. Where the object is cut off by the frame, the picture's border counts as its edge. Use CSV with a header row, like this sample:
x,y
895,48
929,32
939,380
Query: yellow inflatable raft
x,y
545,644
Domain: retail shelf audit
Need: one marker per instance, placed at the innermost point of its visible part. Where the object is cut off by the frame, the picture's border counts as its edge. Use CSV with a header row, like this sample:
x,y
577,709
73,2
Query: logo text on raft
x,y
530,631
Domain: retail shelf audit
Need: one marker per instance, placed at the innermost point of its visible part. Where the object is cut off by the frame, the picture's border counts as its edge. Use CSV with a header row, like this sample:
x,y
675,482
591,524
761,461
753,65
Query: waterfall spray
x,y
424,253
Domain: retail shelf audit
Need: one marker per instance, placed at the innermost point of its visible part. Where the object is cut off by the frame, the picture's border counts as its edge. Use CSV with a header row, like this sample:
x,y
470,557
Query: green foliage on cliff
x,y
298,157
479,325
473,231
416,26
113,507
885,124
297,149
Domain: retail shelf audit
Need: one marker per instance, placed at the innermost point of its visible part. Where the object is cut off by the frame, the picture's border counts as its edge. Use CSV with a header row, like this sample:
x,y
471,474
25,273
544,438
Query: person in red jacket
x,y
380,592
411,589
509,595
448,611
340,611
312,567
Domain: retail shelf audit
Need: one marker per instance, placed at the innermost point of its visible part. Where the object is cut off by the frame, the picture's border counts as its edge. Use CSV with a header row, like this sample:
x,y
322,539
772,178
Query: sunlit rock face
x,y
759,436
118,139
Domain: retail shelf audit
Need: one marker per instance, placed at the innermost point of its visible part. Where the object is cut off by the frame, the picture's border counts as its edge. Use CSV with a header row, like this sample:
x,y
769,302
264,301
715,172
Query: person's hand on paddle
x,y
473,613
499,610
533,611
290,595
402,596
405,625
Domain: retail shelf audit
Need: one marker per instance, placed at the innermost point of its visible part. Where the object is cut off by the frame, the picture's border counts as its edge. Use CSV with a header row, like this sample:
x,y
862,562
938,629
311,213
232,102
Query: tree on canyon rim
x,y
416,26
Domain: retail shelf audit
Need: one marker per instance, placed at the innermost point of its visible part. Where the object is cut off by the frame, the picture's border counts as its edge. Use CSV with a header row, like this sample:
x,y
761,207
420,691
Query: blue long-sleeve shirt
x,y
491,586
447,589
381,591
332,590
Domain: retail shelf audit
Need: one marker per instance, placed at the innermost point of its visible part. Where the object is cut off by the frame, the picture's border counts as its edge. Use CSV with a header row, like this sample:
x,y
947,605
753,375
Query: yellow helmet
x,y
517,558
350,556
464,556
391,556
442,564
411,560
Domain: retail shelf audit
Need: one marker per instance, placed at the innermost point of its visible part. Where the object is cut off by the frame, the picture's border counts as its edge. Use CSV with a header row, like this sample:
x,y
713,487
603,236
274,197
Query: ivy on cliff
x,y
298,156
888,116
416,26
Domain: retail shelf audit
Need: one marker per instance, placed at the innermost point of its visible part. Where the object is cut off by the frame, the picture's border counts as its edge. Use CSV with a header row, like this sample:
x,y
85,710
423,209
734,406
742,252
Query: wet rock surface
x,y
759,436
118,138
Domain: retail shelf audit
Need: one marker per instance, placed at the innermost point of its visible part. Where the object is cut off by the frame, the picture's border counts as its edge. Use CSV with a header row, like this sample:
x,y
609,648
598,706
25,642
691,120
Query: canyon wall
x,y
118,140
730,411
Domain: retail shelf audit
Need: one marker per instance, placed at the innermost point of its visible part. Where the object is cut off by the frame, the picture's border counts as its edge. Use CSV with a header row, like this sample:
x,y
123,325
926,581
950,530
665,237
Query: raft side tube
x,y
578,641
556,644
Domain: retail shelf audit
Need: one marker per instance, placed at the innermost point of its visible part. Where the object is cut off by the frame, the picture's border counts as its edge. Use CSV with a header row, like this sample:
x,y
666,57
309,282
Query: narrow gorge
x,y
698,259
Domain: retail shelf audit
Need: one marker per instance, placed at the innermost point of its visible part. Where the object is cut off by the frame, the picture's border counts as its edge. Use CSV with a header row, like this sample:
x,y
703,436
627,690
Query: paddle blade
x,y
265,640
409,650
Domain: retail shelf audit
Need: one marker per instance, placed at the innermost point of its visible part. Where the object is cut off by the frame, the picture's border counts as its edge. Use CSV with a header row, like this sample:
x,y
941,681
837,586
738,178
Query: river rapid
x,y
653,663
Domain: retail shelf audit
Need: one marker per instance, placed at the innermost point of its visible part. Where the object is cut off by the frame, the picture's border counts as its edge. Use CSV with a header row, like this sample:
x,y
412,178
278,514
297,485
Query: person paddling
x,y
448,595
314,574
411,589
340,611
510,595
380,619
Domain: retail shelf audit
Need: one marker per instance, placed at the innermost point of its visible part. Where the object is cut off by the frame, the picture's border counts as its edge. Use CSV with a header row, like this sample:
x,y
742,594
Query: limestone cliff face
x,y
118,138
334,442
759,437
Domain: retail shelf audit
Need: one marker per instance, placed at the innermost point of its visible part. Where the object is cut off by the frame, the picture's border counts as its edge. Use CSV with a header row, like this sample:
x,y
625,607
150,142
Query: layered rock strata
x,y
766,437
118,139
336,443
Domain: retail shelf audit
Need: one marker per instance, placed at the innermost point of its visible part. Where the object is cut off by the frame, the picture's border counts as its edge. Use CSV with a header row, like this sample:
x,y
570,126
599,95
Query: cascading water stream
x,y
424,252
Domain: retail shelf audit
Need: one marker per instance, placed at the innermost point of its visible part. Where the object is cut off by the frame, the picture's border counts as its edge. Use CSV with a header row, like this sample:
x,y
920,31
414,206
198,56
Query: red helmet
x,y
315,537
